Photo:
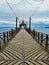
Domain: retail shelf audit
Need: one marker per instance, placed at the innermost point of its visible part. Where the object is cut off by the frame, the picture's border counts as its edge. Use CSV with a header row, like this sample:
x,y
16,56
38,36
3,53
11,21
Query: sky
x,y
23,9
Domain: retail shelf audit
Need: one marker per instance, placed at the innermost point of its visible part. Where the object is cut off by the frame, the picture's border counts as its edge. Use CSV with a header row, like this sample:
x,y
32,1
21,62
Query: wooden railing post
x,y
41,38
34,33
12,32
30,23
38,36
7,36
0,45
46,41
4,38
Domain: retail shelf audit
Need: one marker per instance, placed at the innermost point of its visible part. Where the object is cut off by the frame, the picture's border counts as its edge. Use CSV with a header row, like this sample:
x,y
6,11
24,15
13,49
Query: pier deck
x,y
24,50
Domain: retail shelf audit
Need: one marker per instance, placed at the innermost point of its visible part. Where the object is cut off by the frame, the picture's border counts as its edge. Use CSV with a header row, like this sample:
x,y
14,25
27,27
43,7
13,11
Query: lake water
x,y
3,29
43,30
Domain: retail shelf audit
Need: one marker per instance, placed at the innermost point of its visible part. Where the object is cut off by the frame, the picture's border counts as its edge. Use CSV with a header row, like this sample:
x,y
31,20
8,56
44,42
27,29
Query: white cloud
x,y
44,6
25,10
7,22
40,20
29,3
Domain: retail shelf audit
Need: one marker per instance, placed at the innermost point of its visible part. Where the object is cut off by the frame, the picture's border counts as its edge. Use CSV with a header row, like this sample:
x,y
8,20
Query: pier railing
x,y
6,36
42,38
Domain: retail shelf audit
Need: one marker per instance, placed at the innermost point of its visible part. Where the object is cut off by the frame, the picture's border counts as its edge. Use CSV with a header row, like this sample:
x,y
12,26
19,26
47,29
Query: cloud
x,y
40,20
7,22
24,10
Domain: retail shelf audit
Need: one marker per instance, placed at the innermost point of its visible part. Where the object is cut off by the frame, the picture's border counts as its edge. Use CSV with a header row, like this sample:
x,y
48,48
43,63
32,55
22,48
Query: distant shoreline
x,y
46,27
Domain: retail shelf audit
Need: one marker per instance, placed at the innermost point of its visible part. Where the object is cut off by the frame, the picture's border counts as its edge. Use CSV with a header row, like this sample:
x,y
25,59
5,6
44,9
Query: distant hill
x,y
6,25
40,25
37,25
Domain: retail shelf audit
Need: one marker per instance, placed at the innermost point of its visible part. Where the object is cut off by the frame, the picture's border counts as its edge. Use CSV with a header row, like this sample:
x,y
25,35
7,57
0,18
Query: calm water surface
x,y
43,30
3,29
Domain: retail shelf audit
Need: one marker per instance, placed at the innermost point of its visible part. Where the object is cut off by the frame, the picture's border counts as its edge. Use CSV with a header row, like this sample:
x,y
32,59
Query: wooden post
x,y
0,45
30,23
7,36
41,38
16,22
10,35
46,41
19,24
34,33
12,32
26,25
38,36
4,38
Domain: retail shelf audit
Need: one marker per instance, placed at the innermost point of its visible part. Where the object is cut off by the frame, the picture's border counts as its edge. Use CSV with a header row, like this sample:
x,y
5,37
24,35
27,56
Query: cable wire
x,y
16,3
21,2
37,8
10,7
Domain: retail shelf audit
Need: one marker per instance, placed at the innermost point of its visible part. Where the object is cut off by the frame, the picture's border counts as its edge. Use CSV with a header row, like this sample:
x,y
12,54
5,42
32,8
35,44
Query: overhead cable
x,y
10,8
37,8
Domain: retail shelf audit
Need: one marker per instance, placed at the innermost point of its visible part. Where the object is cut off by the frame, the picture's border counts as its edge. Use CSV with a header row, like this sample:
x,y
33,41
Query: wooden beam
x,y
16,21
30,23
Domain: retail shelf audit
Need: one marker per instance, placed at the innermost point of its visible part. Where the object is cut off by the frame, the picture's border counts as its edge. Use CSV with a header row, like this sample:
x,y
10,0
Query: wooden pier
x,y
24,49
23,46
